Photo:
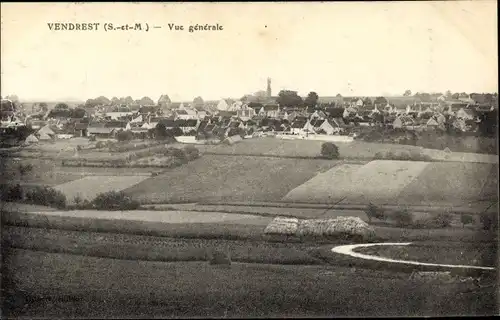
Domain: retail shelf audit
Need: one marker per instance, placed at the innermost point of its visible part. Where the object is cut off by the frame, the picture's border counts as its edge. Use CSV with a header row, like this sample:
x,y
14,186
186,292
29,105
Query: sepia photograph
x,y
249,159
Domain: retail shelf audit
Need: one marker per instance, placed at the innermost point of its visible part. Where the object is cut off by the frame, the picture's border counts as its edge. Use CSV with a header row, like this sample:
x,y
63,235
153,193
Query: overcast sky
x,y
349,48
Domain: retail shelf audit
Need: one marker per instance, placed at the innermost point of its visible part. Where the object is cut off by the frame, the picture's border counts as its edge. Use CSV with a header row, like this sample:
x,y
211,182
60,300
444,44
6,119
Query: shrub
x,y
402,217
78,200
25,169
46,196
191,153
489,220
11,192
443,219
219,257
179,155
378,156
92,138
390,155
329,150
372,211
124,136
466,219
405,156
114,200
100,144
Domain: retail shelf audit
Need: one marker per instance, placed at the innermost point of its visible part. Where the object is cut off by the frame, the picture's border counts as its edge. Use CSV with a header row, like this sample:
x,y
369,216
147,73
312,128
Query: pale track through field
x,y
348,250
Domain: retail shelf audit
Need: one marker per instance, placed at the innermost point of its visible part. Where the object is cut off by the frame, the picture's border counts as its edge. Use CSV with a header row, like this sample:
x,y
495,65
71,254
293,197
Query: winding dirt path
x,y
348,250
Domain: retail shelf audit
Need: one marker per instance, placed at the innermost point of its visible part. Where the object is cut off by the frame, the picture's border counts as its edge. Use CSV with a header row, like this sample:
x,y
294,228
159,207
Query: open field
x,y
220,178
452,182
400,182
60,285
88,188
353,150
207,225
303,148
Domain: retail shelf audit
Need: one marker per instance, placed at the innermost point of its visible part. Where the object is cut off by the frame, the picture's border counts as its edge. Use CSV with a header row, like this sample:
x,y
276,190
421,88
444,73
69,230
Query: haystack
x,y
349,225
313,227
280,225
340,226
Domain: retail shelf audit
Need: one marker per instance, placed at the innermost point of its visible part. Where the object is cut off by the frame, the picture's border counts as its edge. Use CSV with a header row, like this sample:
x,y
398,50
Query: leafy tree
x,y
91,103
114,200
338,95
124,136
61,106
78,113
443,219
128,100
329,150
102,100
380,101
455,96
448,94
256,106
144,101
311,99
466,219
489,220
14,98
425,97
367,102
372,211
164,100
198,102
407,93
43,106
176,132
115,101
289,98
402,217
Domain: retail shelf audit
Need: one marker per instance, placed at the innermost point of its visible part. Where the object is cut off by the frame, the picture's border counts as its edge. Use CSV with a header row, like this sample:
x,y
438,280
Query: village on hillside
x,y
253,115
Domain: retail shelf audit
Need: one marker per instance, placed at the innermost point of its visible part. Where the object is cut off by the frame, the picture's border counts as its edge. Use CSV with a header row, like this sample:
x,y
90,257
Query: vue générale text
x,y
96,26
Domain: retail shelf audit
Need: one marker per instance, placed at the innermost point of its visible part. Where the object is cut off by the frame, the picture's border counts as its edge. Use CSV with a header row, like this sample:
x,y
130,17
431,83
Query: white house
x,y
223,105
185,114
118,115
465,114
271,111
330,126
245,113
299,126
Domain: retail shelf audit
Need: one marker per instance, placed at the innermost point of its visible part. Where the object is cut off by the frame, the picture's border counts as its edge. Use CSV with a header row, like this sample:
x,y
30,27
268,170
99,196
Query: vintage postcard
x,y
265,159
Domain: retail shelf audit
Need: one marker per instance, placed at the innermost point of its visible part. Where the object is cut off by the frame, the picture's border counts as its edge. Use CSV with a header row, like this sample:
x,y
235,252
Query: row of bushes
x,y
434,139
181,156
50,197
41,195
405,156
404,218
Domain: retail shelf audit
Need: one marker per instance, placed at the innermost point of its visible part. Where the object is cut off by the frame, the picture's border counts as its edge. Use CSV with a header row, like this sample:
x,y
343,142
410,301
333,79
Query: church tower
x,y
268,91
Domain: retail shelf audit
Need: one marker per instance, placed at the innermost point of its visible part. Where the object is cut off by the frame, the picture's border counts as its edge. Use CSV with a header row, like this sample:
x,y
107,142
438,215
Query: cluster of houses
x,y
331,115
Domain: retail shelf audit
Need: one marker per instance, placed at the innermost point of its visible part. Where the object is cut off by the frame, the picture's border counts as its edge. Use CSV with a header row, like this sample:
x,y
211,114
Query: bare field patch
x,y
220,178
89,187
376,181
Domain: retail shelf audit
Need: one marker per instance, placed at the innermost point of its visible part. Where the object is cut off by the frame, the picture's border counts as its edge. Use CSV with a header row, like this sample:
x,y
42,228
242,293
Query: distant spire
x,y
269,91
